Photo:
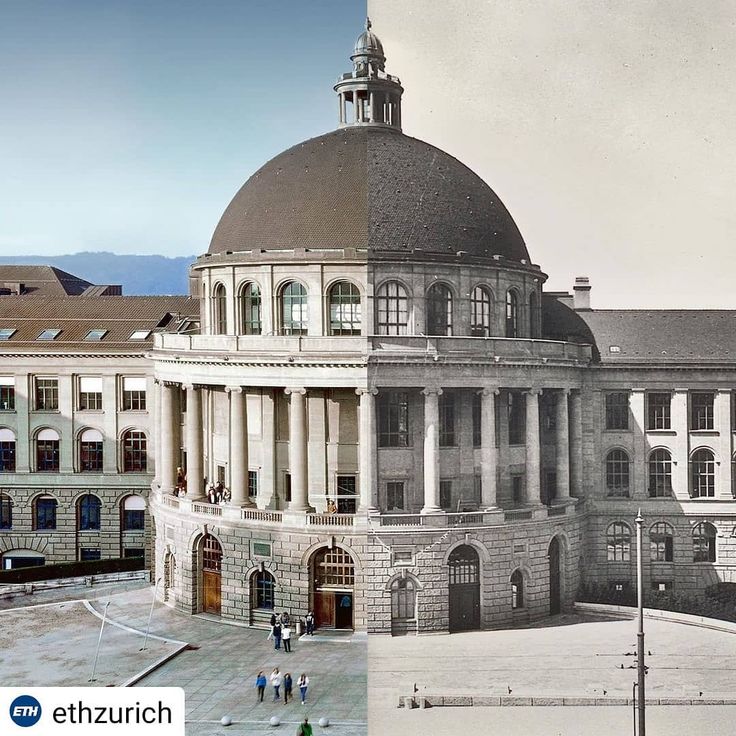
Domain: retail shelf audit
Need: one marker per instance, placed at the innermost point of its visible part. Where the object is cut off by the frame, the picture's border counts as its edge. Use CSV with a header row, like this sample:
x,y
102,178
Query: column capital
x,y
489,392
533,392
369,391
565,391
169,384
431,390
191,386
234,390
289,391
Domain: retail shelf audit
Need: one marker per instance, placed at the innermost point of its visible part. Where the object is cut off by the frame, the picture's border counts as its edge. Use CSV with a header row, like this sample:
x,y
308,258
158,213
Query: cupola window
x,y
344,309
294,312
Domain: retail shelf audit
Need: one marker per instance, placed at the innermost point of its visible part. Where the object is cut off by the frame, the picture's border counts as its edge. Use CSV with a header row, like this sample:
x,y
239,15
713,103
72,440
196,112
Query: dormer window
x,y
95,335
140,335
49,334
7,332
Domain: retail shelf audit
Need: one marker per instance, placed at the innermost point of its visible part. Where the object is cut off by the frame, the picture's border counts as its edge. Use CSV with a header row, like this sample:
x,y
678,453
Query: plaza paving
x,y
217,672
570,656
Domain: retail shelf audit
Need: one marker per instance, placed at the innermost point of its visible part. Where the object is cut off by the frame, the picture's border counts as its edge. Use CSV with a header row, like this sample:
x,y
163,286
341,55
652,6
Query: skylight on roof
x,y
50,334
7,332
140,335
95,335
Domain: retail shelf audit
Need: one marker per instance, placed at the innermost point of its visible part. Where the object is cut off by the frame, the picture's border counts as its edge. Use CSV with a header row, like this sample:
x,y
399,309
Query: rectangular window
x,y
477,421
133,552
701,411
393,419
134,393
90,457
287,487
446,494
550,486
477,489
447,420
88,554
395,495
617,410
347,500
7,456
252,483
46,392
517,489
662,586
46,513
658,411
517,418
7,393
133,519
90,393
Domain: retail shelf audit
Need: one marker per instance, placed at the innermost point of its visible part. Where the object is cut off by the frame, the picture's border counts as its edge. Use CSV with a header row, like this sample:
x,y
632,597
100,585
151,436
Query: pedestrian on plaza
x,y
287,688
276,681
261,683
310,623
305,729
285,621
286,636
273,619
303,683
276,633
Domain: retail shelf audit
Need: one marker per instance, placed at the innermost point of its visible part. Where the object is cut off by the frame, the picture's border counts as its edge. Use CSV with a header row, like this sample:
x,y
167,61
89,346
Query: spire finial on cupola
x,y
368,95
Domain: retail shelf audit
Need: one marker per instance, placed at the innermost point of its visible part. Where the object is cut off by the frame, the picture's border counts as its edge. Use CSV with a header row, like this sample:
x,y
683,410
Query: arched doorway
x,y
554,577
403,606
211,574
464,589
333,580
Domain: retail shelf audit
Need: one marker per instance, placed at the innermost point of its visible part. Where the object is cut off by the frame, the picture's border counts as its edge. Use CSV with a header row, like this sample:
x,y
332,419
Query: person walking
x,y
305,728
276,681
310,623
261,683
303,683
287,688
273,619
285,620
276,632
286,636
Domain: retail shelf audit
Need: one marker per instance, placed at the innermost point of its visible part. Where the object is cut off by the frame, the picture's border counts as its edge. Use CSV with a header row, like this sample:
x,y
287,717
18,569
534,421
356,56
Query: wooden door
x,y
324,609
211,591
464,607
554,577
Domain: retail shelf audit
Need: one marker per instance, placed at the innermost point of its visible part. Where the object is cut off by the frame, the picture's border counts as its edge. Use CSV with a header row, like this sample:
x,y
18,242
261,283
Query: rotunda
x,y
368,423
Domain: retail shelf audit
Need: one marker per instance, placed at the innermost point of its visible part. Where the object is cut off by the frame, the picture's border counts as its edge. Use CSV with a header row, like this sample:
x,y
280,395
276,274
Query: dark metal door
x,y
464,589
554,577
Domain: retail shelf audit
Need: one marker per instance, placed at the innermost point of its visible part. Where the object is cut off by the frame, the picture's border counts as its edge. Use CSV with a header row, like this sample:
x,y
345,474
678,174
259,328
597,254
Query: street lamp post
x,y
640,633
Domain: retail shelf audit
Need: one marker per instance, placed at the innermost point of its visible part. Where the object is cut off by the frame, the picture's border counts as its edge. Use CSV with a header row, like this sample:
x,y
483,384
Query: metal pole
x,y
633,703
640,633
150,615
99,641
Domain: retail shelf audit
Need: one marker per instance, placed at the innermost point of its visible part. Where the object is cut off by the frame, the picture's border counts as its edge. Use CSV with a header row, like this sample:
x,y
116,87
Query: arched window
x,y
661,542
135,456
47,451
403,599
534,315
517,589
334,568
133,513
6,511
7,450
392,309
90,451
618,540
660,473
704,542
294,313
617,473
480,312
702,474
439,310
512,314
219,310
249,309
44,512
88,512
263,588
344,309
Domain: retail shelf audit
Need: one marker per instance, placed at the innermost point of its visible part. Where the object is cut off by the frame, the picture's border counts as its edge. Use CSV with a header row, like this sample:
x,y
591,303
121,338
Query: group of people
x,y
277,682
218,493
280,631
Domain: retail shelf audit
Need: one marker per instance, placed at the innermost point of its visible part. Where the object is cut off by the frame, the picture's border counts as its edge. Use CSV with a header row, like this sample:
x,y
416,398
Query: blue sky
x,y
128,126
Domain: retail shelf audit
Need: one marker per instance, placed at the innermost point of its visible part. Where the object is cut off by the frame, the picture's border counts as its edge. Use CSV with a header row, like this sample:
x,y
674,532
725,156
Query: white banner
x,y
92,711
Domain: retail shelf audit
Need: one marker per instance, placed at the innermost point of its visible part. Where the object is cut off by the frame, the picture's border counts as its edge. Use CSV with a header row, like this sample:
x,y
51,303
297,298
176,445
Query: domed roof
x,y
368,43
369,188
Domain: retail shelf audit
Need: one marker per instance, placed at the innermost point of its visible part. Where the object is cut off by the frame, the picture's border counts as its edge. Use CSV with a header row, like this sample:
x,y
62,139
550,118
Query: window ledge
x,y
46,411
8,411
626,430
662,432
705,432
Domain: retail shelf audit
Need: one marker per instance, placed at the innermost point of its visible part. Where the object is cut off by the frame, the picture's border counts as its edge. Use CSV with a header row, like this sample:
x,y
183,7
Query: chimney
x,y
581,293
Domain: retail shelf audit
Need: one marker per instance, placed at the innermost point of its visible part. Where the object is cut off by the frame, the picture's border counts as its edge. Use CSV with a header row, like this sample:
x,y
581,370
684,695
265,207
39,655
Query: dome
x,y
370,188
368,43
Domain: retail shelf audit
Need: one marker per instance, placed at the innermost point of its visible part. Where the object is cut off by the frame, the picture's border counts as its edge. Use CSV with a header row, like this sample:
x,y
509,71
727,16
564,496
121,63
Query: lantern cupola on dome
x,y
368,95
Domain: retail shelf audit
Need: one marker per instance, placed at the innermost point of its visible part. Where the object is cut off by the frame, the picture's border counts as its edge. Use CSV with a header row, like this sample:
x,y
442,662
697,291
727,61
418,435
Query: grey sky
x,y
607,128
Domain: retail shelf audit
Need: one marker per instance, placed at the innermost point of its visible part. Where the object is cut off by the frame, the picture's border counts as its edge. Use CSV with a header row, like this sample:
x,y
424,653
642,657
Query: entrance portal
x,y
464,589
333,580
211,575
554,576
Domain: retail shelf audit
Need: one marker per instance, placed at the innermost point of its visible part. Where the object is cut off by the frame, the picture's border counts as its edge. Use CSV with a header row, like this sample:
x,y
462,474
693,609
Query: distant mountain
x,y
139,275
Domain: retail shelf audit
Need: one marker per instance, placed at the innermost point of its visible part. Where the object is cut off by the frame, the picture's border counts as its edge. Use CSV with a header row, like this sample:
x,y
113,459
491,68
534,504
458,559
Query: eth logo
x,y
25,711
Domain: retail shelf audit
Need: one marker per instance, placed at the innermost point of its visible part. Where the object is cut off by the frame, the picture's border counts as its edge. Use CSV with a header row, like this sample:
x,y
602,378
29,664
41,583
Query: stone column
x,y
533,455
238,447
298,449
156,432
488,447
195,455
168,435
562,442
576,444
367,449
431,450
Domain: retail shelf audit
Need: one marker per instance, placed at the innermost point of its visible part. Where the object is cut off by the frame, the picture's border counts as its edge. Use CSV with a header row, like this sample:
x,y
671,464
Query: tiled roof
x,y
120,316
370,188
666,336
43,280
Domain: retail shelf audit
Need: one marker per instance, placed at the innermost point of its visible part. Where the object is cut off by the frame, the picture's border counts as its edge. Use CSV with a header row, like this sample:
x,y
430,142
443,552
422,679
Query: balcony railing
x,y
171,501
330,520
206,508
271,517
